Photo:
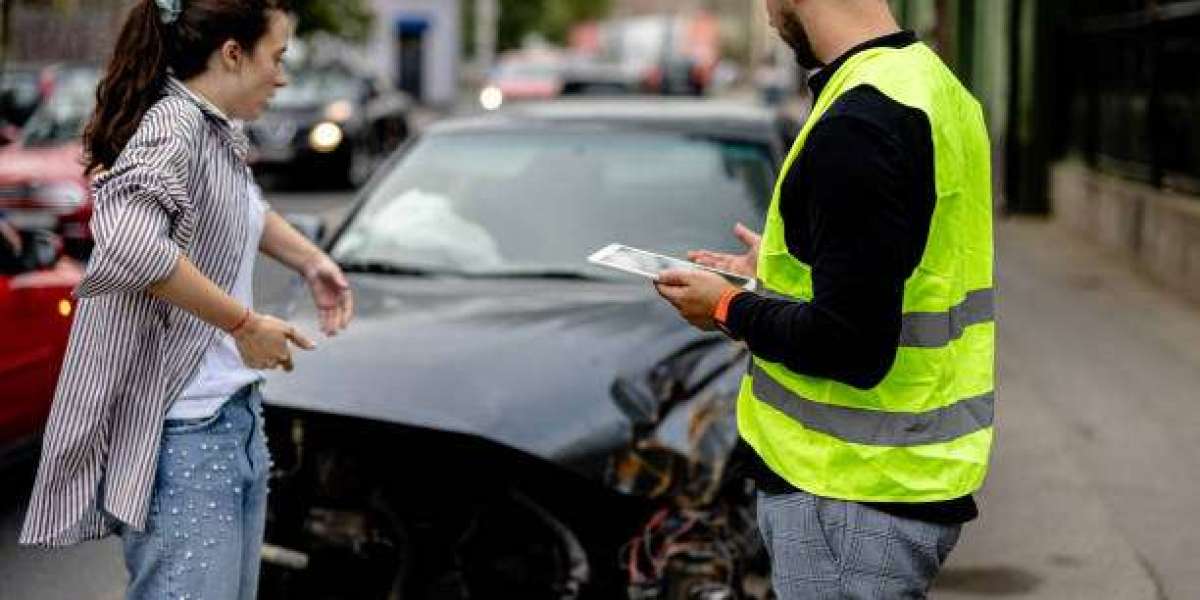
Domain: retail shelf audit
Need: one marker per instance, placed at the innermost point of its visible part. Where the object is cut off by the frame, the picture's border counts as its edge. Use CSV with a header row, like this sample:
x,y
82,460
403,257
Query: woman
x,y
156,429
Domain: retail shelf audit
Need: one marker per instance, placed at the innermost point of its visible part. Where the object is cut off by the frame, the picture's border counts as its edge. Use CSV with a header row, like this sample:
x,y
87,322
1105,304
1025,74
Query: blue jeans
x,y
824,549
203,538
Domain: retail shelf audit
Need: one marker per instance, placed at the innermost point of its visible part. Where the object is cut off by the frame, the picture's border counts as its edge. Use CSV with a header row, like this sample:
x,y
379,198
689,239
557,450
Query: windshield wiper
x,y
561,274
403,270
386,268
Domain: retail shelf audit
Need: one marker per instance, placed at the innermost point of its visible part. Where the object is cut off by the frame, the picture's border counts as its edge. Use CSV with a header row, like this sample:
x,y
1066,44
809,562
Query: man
x,y
869,400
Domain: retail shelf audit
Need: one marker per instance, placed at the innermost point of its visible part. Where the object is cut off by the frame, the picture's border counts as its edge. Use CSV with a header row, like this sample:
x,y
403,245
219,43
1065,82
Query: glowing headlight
x,y
66,195
491,98
325,137
339,112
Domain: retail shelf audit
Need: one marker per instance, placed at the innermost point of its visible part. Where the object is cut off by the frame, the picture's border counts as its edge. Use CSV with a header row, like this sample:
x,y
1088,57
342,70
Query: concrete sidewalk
x,y
1094,492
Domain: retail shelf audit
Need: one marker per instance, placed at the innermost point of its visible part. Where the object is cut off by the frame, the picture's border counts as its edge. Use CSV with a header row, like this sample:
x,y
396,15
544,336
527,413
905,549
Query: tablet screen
x,y
644,262
649,264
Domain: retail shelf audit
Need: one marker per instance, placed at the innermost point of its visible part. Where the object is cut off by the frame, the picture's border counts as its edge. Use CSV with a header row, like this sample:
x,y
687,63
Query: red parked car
x,y
42,183
36,308
517,79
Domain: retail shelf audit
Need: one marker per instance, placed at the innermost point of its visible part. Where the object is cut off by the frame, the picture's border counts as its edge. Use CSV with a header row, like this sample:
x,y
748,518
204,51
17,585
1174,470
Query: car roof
x,y
711,118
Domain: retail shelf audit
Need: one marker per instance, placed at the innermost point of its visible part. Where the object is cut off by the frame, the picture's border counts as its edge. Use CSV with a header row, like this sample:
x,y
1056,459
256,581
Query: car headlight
x,y
491,98
325,137
61,195
339,112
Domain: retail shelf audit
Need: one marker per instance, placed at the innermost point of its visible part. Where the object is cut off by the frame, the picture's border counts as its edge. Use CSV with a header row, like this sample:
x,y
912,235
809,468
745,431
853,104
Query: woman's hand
x,y
745,265
263,342
331,293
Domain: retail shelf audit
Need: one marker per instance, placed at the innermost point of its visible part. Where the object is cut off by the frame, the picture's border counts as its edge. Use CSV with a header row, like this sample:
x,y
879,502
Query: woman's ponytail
x,y
150,45
131,84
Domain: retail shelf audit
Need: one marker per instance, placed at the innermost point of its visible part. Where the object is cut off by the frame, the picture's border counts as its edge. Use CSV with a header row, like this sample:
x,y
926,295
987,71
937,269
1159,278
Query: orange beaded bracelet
x,y
241,323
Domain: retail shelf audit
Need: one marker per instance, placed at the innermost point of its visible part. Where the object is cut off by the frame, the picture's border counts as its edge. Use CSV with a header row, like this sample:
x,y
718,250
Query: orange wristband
x,y
721,314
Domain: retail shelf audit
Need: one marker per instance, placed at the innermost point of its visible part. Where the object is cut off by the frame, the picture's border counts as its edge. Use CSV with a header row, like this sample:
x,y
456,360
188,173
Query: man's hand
x,y
745,265
694,294
331,293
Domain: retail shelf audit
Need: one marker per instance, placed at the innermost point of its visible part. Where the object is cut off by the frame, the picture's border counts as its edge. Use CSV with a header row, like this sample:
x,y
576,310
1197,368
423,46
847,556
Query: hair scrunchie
x,y
170,10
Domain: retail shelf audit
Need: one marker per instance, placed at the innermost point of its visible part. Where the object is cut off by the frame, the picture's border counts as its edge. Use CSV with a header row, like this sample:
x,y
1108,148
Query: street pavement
x,y
1093,490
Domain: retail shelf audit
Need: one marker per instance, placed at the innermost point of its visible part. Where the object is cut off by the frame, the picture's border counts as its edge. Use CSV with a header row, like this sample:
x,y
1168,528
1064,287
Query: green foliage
x,y
557,16
350,19
551,19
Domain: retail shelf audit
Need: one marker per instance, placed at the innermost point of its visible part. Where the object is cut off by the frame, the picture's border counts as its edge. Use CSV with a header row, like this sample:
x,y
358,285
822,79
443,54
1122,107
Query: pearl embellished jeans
x,y
203,538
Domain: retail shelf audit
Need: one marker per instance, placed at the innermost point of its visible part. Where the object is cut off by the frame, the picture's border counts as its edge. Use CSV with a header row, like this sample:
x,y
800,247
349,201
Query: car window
x,y
495,201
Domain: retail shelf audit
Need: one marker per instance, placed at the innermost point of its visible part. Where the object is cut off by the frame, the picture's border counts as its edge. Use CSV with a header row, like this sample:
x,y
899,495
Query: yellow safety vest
x,y
925,433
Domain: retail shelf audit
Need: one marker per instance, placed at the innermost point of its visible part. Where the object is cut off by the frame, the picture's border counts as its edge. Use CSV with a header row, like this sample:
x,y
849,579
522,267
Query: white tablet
x,y
649,265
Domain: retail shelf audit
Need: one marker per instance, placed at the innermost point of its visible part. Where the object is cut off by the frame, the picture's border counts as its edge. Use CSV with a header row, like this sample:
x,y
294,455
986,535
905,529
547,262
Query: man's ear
x,y
231,54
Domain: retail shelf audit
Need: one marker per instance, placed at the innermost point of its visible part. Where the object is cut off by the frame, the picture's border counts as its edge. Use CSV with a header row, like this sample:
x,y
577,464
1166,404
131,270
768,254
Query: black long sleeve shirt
x,y
857,207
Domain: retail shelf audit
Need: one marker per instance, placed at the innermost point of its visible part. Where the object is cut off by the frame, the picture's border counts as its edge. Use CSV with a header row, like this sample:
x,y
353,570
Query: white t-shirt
x,y
222,372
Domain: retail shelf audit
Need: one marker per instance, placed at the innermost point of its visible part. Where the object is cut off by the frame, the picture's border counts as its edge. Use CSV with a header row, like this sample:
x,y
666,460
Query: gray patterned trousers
x,y
831,549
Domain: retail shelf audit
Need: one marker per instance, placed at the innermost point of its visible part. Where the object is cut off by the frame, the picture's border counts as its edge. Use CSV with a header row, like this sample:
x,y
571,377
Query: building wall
x,y
1071,89
74,33
442,44
1159,228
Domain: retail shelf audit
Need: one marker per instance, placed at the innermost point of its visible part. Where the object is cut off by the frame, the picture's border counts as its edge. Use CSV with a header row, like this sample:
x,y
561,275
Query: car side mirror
x,y
312,226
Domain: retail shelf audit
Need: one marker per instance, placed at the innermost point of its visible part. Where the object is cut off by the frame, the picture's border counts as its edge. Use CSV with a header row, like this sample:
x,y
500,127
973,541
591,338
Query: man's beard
x,y
793,33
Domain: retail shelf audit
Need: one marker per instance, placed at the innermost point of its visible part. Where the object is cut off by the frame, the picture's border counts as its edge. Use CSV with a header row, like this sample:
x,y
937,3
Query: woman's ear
x,y
231,54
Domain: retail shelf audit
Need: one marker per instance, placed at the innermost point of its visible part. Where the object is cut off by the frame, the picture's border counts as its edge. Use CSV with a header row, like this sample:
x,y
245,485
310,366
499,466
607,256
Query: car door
x,y
35,319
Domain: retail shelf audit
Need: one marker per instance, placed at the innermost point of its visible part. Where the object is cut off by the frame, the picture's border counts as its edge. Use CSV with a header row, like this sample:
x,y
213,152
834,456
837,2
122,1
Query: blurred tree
x,y
350,19
558,16
5,19
552,19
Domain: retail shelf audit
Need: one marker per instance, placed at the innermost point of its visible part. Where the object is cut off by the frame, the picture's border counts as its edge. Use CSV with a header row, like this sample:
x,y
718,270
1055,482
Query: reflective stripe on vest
x,y
930,329
875,427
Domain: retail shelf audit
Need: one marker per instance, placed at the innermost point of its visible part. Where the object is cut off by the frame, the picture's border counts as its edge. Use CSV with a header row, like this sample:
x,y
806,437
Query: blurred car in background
x,y
35,319
497,388
595,77
682,76
522,79
516,81
23,87
329,123
42,183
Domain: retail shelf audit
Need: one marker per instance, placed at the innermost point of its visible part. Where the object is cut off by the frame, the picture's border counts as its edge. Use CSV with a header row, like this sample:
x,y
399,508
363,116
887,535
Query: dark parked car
x,y
599,78
504,420
331,124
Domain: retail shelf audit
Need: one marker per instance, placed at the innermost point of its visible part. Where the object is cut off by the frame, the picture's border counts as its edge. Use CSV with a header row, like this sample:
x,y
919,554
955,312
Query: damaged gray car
x,y
503,420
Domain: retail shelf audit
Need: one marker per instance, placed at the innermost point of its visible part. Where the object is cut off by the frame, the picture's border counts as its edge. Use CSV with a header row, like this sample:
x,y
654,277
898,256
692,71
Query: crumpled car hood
x,y
528,364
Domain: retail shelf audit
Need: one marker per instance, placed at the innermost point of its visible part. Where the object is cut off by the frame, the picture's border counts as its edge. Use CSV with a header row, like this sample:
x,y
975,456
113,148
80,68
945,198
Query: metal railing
x,y
1133,101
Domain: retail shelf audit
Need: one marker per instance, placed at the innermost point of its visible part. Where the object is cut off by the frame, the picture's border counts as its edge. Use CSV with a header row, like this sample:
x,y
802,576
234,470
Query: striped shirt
x,y
179,188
